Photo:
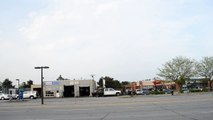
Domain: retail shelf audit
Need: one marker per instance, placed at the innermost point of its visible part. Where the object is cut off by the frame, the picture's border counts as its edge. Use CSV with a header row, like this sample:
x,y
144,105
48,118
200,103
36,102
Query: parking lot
x,y
151,107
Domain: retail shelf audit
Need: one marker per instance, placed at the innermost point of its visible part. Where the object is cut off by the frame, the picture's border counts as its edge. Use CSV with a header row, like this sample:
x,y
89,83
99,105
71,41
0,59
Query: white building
x,y
67,88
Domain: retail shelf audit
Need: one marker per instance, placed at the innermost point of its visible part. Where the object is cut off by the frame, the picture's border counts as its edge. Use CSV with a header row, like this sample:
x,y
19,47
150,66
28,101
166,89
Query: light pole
x,y
42,67
17,83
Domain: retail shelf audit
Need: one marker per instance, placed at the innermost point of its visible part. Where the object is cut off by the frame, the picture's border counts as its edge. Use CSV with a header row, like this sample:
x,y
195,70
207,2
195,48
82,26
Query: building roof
x,y
147,83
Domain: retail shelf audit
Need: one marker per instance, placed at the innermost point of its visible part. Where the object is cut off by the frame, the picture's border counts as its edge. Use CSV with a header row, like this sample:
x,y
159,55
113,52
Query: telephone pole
x,y
42,96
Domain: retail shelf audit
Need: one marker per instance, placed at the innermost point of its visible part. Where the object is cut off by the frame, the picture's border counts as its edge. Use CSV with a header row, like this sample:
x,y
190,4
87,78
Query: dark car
x,y
98,93
145,91
168,91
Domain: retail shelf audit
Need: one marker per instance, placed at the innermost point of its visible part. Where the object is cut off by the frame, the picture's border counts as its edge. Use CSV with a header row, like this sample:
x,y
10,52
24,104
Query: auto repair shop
x,y
69,88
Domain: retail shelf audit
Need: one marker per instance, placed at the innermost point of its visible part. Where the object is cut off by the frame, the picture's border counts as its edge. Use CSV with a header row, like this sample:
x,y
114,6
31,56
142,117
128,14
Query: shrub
x,y
157,92
205,89
195,90
181,91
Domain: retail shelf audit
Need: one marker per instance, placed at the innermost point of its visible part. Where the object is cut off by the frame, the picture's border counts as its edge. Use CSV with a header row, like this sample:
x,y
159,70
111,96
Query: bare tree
x,y
178,70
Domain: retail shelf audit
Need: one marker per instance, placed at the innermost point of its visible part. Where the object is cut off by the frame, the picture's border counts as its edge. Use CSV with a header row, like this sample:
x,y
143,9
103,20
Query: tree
x,y
124,84
205,69
60,78
109,82
7,84
23,85
0,86
29,83
178,69
100,82
26,85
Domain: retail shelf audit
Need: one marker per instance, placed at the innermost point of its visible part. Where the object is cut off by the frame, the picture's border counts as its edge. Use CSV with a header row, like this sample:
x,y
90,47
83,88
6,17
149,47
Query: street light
x,y
42,67
17,83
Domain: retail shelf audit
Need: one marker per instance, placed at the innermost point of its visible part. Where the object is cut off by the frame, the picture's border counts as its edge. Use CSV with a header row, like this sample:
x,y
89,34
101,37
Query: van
x,y
30,94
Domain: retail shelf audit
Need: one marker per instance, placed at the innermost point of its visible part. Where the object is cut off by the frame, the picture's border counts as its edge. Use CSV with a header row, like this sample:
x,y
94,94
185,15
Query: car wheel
x,y
2,98
117,94
31,97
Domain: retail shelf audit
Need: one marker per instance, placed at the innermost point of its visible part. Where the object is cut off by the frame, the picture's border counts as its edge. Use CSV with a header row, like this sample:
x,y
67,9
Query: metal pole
x,y
42,83
42,95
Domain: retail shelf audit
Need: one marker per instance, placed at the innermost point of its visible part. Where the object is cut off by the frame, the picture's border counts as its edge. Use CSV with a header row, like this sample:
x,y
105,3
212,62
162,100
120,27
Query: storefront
x,y
69,88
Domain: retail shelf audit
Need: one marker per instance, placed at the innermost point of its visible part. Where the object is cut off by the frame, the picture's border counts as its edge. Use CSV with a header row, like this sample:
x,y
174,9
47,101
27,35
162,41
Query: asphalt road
x,y
161,107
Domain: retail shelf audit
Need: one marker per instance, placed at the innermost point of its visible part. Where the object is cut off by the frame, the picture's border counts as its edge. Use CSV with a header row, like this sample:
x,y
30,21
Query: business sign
x,y
52,83
55,83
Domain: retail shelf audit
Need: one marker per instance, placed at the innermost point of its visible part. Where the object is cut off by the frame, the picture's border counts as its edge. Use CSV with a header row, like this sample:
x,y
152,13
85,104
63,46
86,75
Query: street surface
x,y
196,106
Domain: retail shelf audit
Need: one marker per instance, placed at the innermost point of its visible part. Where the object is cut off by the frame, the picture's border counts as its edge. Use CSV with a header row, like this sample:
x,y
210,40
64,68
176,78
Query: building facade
x,y
67,88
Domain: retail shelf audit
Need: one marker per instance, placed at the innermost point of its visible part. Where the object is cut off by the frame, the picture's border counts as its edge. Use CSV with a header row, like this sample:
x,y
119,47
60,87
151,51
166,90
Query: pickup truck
x,y
106,92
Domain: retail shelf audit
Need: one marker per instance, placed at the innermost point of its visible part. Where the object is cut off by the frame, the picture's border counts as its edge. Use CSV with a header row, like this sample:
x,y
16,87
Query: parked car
x,y
30,94
139,91
185,90
145,91
4,96
142,91
106,92
14,96
199,88
131,92
168,91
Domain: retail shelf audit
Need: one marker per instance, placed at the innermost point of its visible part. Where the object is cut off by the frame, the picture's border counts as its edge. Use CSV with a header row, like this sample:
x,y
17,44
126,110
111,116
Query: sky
x,y
127,40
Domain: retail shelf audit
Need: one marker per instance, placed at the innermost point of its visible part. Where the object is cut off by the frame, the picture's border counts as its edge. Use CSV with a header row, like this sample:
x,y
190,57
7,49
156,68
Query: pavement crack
x,y
104,116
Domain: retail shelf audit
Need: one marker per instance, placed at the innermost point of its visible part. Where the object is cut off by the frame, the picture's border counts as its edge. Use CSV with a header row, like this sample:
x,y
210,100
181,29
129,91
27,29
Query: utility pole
x,y
42,84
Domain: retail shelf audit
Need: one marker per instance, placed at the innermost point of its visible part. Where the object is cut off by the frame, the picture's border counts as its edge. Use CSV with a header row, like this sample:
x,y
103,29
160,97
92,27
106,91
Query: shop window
x,y
49,93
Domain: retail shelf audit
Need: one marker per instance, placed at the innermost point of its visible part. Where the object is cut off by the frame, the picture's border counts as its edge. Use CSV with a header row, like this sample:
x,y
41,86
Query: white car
x,y
30,94
142,91
4,96
139,91
14,96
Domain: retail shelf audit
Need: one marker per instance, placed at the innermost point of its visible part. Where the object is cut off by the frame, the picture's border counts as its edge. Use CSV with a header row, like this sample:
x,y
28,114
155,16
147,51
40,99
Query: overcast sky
x,y
123,39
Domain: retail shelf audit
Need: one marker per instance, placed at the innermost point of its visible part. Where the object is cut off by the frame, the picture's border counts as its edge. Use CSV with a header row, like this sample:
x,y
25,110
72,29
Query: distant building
x,y
151,84
197,83
67,88
36,87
